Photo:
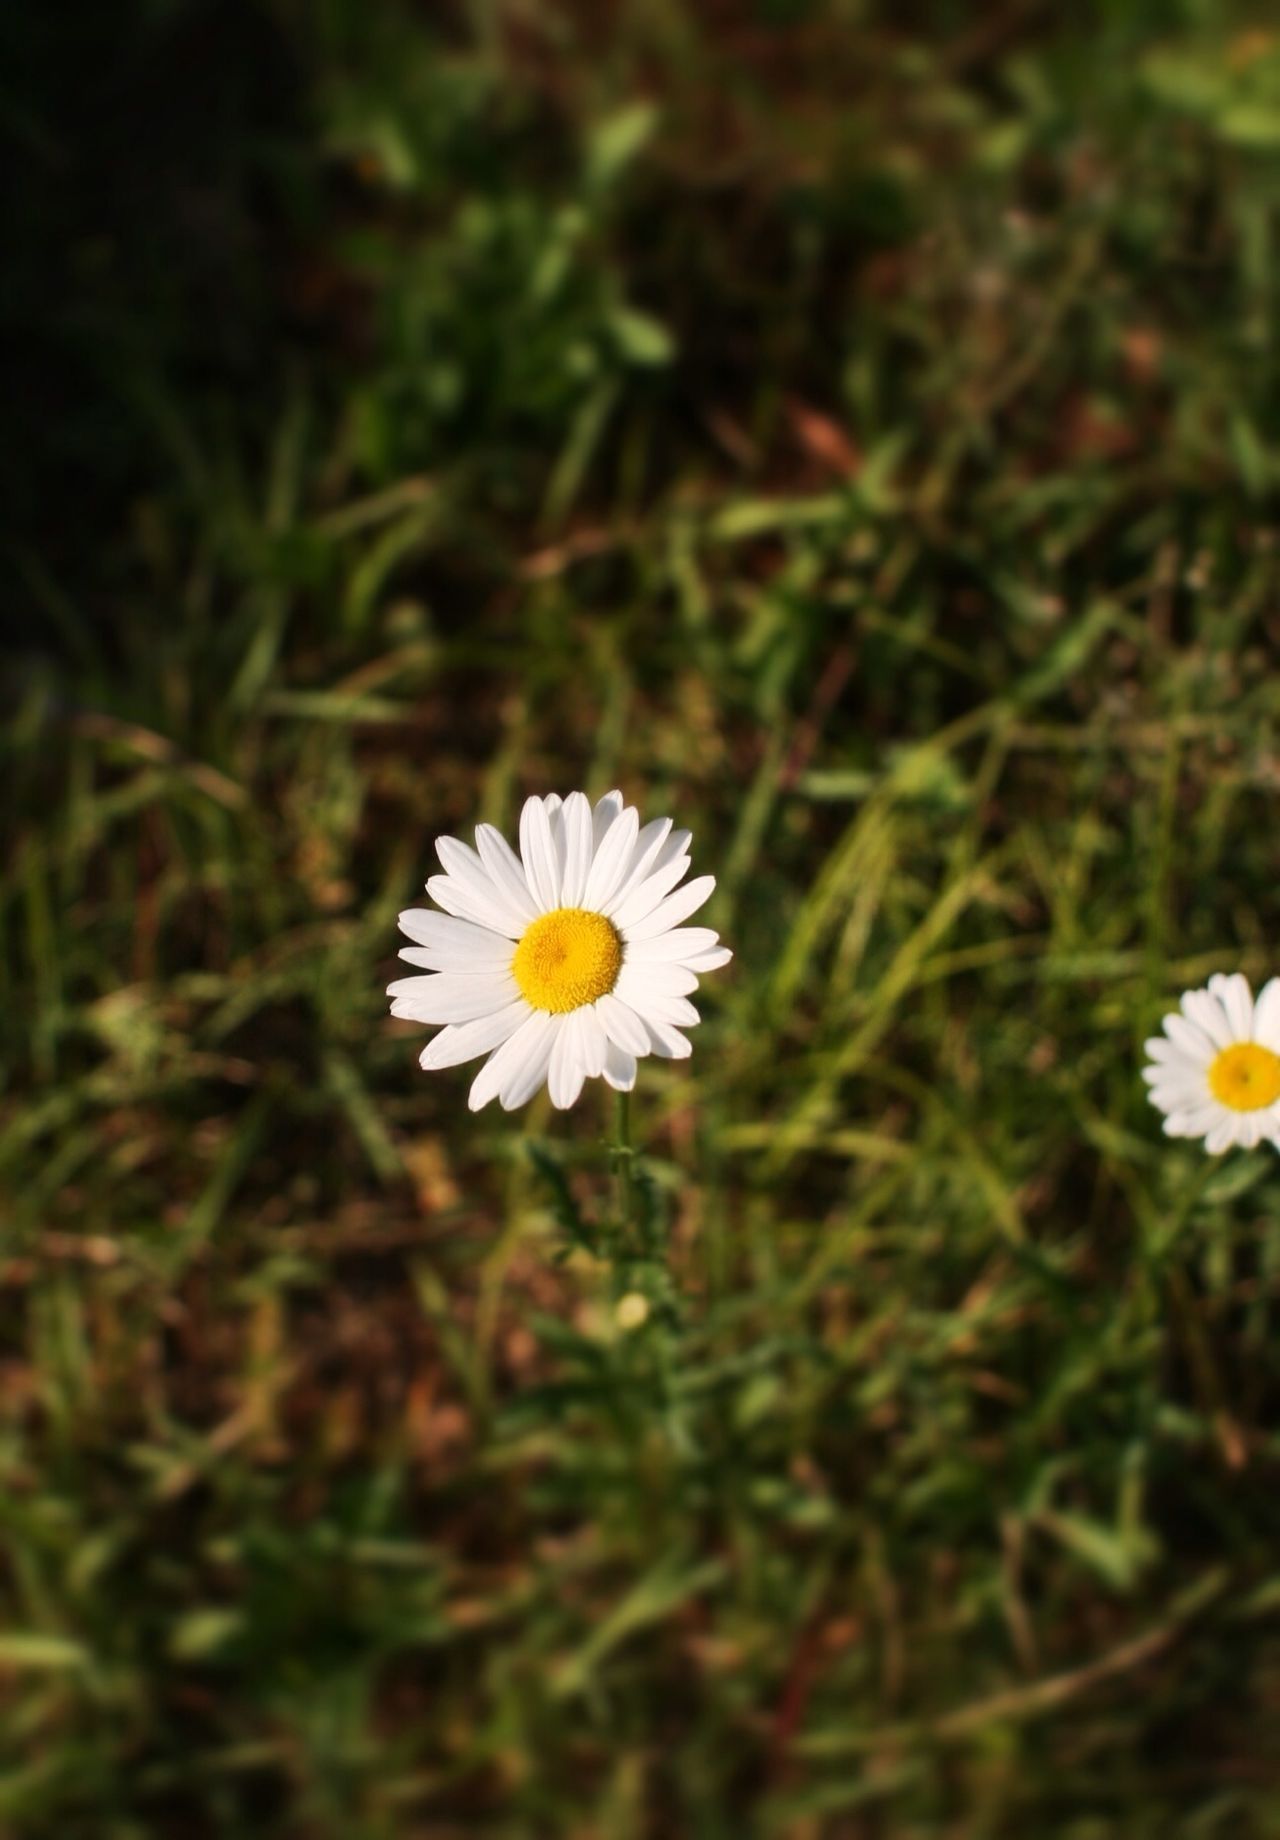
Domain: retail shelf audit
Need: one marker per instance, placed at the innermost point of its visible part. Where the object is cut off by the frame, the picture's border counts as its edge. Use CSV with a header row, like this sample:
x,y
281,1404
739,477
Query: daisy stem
x,y
622,1161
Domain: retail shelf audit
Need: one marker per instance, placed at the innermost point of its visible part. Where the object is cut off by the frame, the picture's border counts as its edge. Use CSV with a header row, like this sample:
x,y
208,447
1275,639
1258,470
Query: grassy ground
x,y
851,428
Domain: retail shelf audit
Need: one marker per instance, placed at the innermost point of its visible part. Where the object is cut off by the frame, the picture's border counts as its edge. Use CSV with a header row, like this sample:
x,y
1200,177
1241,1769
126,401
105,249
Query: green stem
x,y
622,1164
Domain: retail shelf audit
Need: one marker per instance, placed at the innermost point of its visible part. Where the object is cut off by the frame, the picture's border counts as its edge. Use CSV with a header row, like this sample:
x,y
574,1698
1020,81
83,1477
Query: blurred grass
x,y
851,428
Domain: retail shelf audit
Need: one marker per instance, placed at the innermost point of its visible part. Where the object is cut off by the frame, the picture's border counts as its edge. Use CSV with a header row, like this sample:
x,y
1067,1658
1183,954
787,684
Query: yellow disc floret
x,y
567,958
1245,1077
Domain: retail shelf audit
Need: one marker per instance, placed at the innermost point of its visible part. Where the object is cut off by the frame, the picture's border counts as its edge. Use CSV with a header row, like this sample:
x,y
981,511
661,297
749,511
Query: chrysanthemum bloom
x,y
564,963
1215,1071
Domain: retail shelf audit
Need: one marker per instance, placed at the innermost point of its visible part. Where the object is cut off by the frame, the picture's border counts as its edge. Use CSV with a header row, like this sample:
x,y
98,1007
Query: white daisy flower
x,y
1215,1072
565,962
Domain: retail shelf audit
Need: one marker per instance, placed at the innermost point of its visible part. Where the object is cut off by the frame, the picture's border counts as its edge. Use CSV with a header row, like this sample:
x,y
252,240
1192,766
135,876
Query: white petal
x,y
1236,999
509,1061
674,1010
1193,1042
554,806
675,980
1250,1129
485,909
525,1081
465,869
1176,1079
1158,1049
708,961
567,1070
478,964
682,943
592,1039
448,996
1177,1097
620,1068
443,933
643,899
648,845
1192,1120
458,946
576,819
465,1040
1181,1069
622,1025
1222,1136
607,809
668,1042
613,853
458,858
506,870
677,844
1190,1123
1266,1016
636,983
538,853
673,910
1210,1017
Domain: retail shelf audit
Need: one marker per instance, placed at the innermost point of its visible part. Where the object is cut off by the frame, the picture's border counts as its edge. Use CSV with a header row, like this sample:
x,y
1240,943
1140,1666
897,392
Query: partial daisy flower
x,y
1215,1072
566,962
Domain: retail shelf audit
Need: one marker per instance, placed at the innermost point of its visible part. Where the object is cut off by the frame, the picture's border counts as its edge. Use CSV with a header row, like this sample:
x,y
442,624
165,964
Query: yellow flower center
x,y
567,958
1245,1077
